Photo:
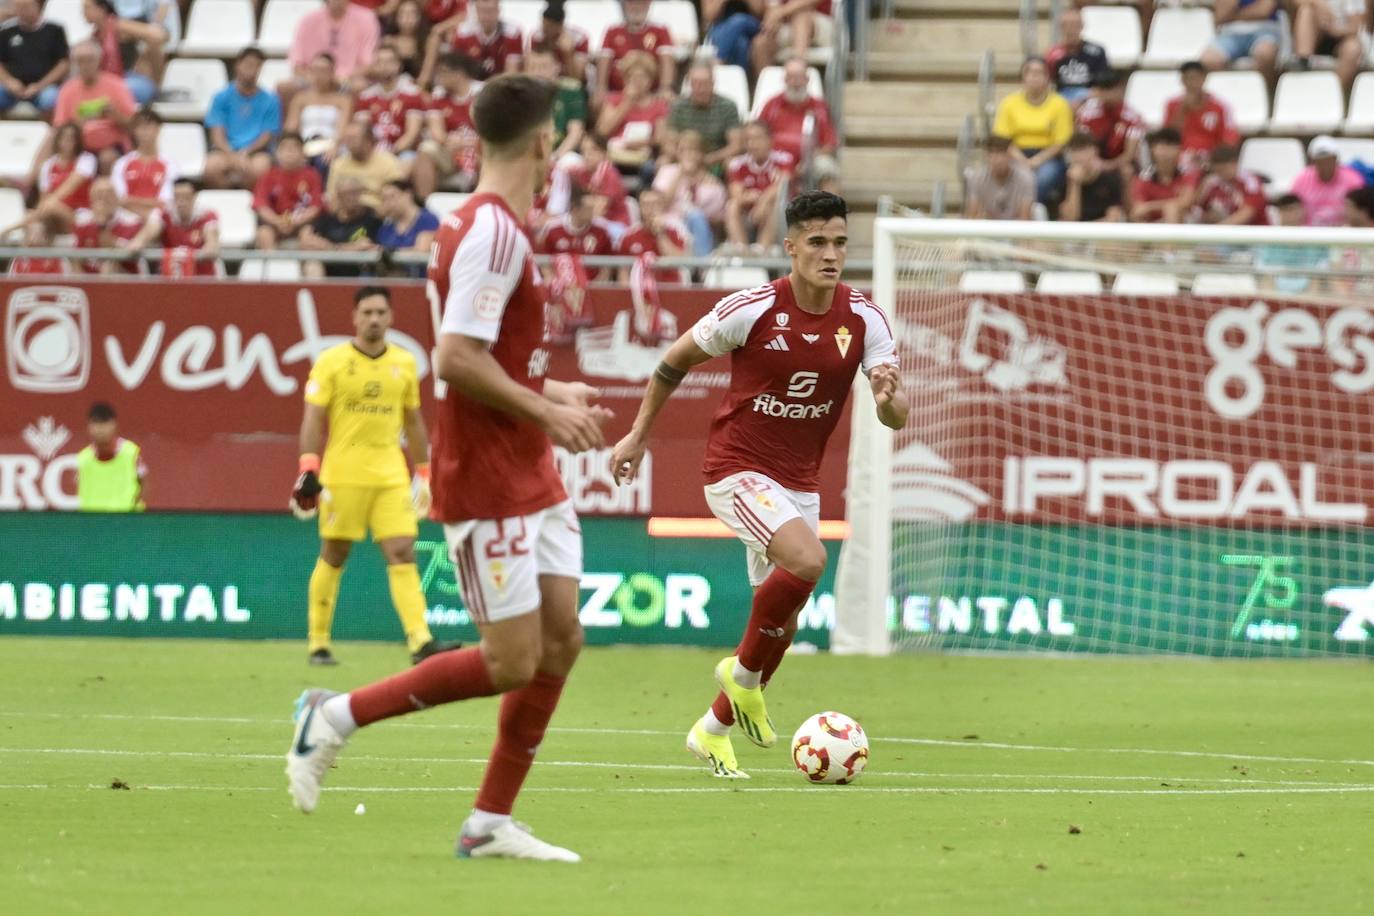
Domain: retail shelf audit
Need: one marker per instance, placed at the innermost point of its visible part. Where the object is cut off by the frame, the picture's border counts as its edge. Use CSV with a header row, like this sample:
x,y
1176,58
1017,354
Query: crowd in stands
x,y
371,115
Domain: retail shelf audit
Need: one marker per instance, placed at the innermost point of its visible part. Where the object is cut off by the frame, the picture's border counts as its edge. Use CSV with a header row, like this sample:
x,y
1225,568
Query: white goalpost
x,y
1123,438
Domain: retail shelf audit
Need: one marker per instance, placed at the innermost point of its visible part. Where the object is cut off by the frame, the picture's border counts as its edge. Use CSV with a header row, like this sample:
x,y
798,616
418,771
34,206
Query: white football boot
x,y
511,840
313,749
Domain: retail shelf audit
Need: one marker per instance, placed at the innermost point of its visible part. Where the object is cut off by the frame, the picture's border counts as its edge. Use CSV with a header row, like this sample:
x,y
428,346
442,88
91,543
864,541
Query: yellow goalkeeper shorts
x,y
347,513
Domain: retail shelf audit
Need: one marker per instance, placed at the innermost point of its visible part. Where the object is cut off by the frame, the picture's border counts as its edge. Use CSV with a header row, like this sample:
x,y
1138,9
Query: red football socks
x,y
775,601
442,678
525,715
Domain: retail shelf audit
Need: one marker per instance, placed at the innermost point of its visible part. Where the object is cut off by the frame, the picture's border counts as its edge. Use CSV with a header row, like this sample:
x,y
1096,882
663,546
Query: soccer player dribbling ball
x,y
794,345
508,521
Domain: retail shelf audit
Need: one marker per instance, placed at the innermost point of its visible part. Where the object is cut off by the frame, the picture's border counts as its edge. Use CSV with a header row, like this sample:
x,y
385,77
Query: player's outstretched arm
x,y
891,401
677,362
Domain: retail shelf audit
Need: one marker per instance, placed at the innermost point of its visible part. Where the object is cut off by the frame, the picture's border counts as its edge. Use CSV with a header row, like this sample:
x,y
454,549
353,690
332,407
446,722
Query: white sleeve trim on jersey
x,y
119,177
486,269
879,347
726,327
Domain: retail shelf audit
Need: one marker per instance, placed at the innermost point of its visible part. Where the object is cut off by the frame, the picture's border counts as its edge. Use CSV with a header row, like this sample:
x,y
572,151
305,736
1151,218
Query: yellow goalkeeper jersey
x,y
366,398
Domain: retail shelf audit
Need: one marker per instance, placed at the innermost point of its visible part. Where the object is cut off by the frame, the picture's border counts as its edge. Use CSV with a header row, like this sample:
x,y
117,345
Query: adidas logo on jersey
x,y
777,343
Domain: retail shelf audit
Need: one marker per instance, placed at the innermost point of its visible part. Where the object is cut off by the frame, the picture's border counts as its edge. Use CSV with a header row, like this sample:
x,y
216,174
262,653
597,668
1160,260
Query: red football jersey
x,y
597,238
388,111
756,176
25,265
288,192
786,121
54,171
136,176
605,180
488,464
437,11
457,113
490,51
176,234
790,373
1203,129
121,227
1112,126
639,240
581,44
1147,187
1218,199
621,40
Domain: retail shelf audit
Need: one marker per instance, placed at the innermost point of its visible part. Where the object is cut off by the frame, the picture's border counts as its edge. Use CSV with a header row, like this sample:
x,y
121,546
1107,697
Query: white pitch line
x,y
994,745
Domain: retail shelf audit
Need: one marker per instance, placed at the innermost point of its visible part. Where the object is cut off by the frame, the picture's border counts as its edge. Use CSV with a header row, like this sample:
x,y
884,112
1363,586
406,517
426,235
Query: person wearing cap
x,y
1323,184
1075,64
569,44
1203,121
110,472
1115,126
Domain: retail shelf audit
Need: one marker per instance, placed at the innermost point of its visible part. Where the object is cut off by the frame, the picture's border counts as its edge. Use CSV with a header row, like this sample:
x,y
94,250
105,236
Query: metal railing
x,y
987,90
964,146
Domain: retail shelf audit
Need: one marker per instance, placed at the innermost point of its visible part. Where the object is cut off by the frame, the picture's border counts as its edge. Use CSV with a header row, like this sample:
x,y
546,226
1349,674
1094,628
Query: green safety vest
x,y
109,486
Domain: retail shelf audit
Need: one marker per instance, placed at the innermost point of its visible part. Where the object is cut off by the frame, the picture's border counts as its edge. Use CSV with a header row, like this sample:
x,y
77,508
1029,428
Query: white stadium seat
x,y
1224,285
1069,282
1137,284
1117,30
1178,35
279,21
19,143
67,13
218,28
594,17
1148,91
680,16
526,15
184,144
770,84
11,207
1361,117
275,70
1245,93
732,83
270,269
1351,149
238,224
992,281
190,85
1308,103
442,203
734,276
1279,159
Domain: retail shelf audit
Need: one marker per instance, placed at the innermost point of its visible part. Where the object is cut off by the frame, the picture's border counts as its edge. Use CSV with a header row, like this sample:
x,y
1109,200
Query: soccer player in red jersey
x,y
508,520
142,178
795,345
393,104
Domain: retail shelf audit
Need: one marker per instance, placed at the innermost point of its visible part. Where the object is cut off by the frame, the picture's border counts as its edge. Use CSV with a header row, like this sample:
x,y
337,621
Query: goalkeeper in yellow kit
x,y
367,391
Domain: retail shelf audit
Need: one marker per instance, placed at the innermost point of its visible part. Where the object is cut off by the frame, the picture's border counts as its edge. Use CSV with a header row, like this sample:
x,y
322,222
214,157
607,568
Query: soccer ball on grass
x,y
830,748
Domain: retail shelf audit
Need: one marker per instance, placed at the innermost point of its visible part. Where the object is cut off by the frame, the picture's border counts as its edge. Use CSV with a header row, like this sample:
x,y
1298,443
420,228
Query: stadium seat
x,y
734,276
270,269
11,207
189,85
992,281
680,16
1148,91
218,28
279,21
733,83
238,224
1137,284
274,70
526,15
770,84
1279,159
594,17
1069,282
1224,285
19,143
1117,30
184,144
1308,103
1360,120
1178,35
67,13
1245,92
1352,149
442,203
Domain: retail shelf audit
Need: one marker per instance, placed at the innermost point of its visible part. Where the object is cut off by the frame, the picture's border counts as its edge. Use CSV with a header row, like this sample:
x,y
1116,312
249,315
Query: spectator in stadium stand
x,y
1229,197
111,475
1038,122
37,234
64,178
319,111
162,20
405,225
1202,120
757,178
786,114
382,9
636,33
1323,184
1275,263
370,166
33,58
1246,28
791,20
289,196
570,106
1163,192
119,41
143,178
452,148
492,42
105,224
1332,28
632,119
712,116
732,27
695,195
1093,192
1115,126
1003,187
184,225
570,46
602,180
349,226
407,33
1359,208
243,120
393,105
657,232
98,102
579,231
1075,64
349,33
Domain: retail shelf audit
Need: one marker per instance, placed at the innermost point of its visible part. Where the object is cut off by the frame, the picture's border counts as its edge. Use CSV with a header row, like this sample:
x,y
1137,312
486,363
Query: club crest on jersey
x,y
763,499
496,571
843,339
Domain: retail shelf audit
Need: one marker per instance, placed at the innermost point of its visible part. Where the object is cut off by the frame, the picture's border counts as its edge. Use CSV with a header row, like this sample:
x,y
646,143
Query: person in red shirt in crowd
x,y
393,104
568,43
446,13
1202,120
143,179
489,40
1230,197
1164,192
579,231
289,196
657,233
632,120
98,102
452,147
64,179
184,230
635,34
37,234
755,178
599,176
1115,126
786,114
105,224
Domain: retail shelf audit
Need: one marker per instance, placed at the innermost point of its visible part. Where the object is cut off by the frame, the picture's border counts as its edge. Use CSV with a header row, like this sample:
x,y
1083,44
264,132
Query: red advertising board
x,y
207,378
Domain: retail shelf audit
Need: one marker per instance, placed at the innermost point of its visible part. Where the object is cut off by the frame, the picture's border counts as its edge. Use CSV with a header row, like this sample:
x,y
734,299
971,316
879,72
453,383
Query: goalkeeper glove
x,y
305,497
420,497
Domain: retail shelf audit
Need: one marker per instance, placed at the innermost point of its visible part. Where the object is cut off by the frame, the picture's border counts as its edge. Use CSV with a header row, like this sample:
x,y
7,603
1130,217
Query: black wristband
x,y
669,375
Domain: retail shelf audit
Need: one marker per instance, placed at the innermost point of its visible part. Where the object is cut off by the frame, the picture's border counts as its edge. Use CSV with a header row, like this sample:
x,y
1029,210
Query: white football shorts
x,y
753,507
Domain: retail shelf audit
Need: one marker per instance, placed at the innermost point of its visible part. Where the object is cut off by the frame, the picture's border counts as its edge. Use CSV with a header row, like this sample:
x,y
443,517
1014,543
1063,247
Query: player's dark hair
x,y
1164,135
1082,140
452,60
101,412
1363,200
247,53
760,125
367,292
511,106
147,115
1036,59
1192,66
185,181
821,205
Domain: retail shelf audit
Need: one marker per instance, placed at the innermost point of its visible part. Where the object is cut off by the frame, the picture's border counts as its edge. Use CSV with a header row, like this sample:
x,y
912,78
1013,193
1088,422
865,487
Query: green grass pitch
x,y
996,785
